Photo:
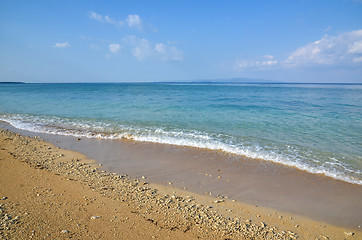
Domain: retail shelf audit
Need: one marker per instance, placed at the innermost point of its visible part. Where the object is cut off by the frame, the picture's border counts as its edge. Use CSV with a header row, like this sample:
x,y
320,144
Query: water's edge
x,y
246,180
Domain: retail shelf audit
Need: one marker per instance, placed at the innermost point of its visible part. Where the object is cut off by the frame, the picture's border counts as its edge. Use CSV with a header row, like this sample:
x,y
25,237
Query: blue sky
x,y
129,41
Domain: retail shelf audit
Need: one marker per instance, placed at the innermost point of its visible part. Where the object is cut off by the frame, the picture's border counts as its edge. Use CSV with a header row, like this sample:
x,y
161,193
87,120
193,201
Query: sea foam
x,y
290,156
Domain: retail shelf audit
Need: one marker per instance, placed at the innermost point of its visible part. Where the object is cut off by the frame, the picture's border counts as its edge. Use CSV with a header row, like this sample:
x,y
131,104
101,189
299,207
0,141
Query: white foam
x,y
220,142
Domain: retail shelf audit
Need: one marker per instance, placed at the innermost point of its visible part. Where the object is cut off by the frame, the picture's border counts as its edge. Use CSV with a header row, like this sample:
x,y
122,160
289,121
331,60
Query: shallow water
x,y
309,126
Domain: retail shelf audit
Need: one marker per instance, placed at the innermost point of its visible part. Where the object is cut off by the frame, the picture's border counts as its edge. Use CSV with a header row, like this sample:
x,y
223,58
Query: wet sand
x,y
250,181
47,192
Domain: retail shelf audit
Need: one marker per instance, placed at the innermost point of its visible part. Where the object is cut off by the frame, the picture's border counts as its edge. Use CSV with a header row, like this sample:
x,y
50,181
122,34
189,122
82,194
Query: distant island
x,y
225,80
12,82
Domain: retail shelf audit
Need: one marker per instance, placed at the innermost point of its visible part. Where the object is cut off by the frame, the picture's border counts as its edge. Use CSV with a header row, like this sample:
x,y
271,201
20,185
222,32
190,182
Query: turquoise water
x,y
313,127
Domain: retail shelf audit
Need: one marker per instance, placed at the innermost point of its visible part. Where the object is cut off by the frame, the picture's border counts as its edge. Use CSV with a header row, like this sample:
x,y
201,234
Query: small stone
x,y
95,217
65,231
219,201
169,183
143,177
263,224
4,198
349,233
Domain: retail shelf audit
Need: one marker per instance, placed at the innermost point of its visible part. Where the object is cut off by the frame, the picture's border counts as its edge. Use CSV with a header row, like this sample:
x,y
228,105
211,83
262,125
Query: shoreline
x,y
254,182
334,174
202,215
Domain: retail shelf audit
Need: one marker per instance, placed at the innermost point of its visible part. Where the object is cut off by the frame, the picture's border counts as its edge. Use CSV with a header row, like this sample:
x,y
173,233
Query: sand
x,y
52,193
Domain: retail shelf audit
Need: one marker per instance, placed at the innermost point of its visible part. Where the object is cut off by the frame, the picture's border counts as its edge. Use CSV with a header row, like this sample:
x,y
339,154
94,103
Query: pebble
x,y
349,234
4,198
147,200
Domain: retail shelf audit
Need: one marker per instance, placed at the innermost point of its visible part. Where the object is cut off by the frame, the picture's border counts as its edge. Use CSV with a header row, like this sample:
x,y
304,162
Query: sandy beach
x,y
49,193
181,120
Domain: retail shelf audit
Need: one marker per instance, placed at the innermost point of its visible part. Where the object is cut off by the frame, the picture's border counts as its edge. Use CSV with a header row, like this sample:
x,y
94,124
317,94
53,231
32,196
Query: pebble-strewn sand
x,y
50,193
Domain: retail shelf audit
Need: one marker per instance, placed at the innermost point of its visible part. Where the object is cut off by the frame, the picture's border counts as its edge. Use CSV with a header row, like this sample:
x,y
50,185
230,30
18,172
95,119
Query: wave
x,y
293,156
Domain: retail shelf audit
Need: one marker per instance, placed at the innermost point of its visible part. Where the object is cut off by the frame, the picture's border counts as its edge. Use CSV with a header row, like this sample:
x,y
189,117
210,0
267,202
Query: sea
x,y
313,127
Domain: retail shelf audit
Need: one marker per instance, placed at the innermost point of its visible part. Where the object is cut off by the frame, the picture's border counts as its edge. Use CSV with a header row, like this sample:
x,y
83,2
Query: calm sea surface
x,y
317,128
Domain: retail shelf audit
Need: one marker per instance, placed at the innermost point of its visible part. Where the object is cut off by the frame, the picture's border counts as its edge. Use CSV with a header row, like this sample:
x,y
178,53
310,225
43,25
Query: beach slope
x,y
47,192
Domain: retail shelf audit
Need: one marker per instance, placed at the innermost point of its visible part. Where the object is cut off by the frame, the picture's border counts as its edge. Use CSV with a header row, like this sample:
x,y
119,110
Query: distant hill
x,y
227,80
12,82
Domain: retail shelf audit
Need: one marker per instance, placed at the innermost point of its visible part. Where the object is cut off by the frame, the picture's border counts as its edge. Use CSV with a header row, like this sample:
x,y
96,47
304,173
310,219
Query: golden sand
x,y
51,193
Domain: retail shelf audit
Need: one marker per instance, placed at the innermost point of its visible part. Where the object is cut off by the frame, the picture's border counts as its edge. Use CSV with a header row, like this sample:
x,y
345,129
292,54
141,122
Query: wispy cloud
x,y
114,47
62,45
134,21
142,49
344,49
105,19
94,46
264,62
96,16
167,52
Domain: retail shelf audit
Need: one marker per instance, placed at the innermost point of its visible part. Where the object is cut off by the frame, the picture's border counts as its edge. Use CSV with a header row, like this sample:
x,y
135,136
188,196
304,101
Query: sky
x,y
140,41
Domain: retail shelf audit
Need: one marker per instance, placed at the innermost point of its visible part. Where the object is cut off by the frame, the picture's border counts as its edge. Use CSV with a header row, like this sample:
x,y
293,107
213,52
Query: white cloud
x,y
114,47
112,21
357,59
62,45
105,19
96,16
134,21
268,57
356,47
161,48
168,52
94,46
263,63
143,49
330,50
344,49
